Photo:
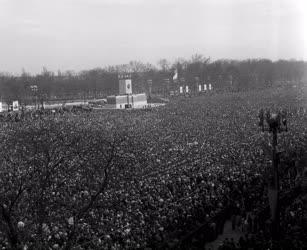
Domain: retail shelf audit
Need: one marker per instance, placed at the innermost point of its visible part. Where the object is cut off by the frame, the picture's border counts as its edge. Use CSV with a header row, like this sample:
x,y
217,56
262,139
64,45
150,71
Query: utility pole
x,y
166,86
277,123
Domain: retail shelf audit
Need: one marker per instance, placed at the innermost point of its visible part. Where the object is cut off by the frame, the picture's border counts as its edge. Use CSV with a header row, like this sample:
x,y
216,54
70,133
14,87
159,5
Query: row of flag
x,y
181,88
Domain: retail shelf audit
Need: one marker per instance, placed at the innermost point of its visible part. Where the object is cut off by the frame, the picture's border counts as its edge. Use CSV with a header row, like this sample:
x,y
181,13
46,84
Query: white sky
x,y
83,34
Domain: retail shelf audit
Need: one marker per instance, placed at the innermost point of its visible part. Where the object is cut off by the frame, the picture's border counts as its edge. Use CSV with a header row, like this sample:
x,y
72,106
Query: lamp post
x,y
276,123
166,86
149,85
34,90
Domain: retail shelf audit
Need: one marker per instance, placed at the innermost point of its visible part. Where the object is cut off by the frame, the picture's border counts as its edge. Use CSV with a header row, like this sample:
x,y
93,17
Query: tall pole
x,y
275,199
277,123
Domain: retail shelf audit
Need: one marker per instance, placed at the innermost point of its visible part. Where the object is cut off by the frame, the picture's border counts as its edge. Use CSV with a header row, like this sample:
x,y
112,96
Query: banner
x,y
15,106
128,86
125,86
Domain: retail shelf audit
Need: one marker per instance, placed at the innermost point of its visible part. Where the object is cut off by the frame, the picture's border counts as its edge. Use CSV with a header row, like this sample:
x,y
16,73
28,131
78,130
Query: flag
x,y
175,77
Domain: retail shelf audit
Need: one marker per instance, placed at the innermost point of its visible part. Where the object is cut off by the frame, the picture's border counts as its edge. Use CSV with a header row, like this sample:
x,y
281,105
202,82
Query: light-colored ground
x,y
149,105
228,233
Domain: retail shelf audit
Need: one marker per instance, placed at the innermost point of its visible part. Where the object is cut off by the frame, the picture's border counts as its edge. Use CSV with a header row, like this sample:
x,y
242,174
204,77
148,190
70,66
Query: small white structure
x,y
187,89
15,106
199,88
205,87
127,101
210,86
3,107
180,89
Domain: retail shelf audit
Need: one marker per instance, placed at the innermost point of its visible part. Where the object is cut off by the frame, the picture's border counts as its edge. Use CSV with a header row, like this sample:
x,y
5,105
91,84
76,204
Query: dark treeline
x,y
231,75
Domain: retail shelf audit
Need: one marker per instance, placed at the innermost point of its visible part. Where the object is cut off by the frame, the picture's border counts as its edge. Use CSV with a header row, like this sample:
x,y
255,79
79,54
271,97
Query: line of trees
x,y
231,75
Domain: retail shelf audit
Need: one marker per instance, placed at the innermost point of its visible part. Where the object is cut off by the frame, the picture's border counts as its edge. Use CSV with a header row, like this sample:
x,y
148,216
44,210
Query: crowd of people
x,y
34,114
293,229
193,162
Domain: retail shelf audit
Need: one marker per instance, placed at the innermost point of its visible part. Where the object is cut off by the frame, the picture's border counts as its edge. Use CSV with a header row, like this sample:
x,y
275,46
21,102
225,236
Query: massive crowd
x,y
192,162
257,230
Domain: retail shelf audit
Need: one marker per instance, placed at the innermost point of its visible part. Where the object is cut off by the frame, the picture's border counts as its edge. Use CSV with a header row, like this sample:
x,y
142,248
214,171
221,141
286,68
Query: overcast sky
x,y
84,34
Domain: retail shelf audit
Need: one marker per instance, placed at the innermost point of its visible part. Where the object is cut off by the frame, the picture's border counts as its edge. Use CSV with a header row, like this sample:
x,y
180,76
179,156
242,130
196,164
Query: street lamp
x,y
149,85
166,86
277,123
34,89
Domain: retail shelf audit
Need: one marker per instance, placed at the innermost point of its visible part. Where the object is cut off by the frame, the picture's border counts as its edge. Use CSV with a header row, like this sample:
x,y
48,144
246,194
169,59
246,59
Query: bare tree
x,y
52,174
164,65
